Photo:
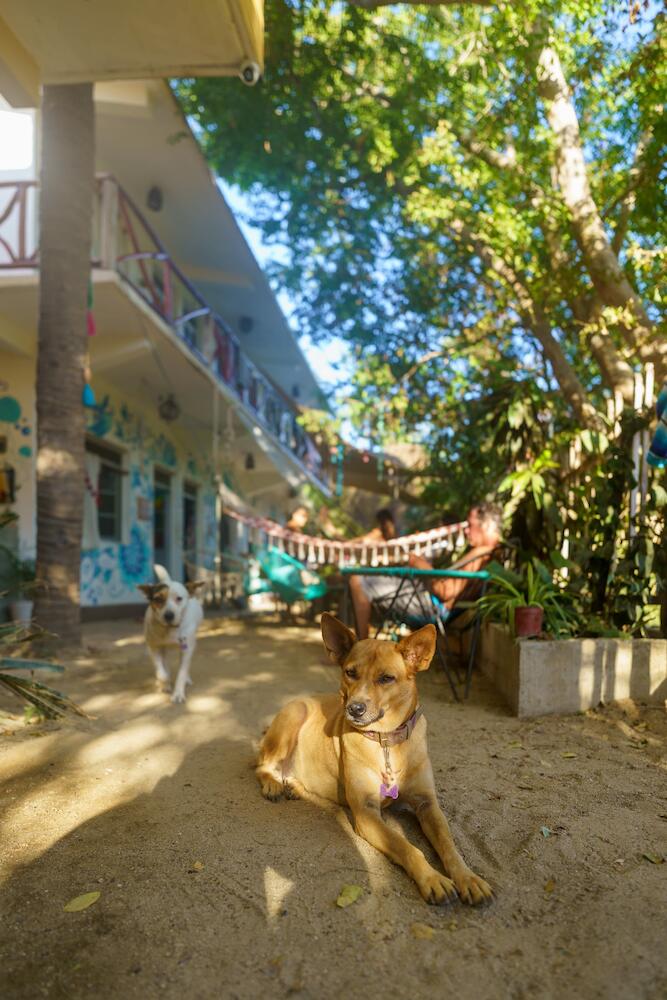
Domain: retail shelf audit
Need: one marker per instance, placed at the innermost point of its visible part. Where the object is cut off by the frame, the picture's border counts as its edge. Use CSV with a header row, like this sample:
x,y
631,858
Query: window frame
x,y
110,461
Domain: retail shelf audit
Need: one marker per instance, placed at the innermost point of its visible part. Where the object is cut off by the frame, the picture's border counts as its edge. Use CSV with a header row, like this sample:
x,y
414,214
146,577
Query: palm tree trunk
x,y
67,179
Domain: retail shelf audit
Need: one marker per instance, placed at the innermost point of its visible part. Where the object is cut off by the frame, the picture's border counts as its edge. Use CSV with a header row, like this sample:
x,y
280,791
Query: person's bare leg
x,y
362,607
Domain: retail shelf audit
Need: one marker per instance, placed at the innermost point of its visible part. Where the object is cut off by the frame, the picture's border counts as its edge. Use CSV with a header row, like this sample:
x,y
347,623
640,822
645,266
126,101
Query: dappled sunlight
x,y
133,738
276,889
134,640
203,704
136,737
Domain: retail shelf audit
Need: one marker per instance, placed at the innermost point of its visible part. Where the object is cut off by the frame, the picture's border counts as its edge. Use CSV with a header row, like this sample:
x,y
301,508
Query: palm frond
x,y
47,700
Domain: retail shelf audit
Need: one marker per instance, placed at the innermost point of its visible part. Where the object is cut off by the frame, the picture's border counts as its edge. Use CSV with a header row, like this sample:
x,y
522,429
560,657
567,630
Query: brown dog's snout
x,y
356,709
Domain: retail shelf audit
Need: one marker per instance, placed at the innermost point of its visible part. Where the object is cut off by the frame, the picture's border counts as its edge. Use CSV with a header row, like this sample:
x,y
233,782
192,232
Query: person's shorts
x,y
411,605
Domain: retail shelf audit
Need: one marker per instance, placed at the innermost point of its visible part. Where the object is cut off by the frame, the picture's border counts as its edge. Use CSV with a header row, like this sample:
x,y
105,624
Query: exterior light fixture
x,y
155,198
168,408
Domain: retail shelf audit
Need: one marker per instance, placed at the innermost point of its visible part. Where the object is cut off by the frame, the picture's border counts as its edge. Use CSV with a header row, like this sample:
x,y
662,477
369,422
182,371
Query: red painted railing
x,y
123,241
18,215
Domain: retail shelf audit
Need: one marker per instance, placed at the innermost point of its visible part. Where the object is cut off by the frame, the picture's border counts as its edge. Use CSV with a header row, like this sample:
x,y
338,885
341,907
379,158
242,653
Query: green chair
x,y
284,576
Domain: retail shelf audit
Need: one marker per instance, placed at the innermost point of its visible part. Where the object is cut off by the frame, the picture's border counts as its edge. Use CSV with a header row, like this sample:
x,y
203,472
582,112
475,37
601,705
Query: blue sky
x,y
330,363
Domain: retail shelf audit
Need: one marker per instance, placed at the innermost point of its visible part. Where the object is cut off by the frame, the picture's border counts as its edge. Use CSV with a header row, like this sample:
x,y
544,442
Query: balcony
x,y
124,243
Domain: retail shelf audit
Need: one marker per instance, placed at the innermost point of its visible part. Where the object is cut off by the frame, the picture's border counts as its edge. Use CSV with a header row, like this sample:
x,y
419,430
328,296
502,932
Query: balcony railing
x,y
123,241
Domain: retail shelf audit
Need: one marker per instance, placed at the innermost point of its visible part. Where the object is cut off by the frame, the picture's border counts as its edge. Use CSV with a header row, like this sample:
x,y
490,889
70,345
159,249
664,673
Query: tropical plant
x,y
532,587
45,702
18,577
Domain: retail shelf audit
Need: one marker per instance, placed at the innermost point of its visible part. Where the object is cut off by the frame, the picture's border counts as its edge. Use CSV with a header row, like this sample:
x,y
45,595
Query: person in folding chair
x,y
438,599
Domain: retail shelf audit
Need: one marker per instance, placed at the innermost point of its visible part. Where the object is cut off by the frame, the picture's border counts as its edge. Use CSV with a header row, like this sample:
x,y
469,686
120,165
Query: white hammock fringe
x,y
360,553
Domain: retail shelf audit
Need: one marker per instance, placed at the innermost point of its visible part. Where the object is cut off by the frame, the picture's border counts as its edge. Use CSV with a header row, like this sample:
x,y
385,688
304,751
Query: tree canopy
x,y
459,175
469,193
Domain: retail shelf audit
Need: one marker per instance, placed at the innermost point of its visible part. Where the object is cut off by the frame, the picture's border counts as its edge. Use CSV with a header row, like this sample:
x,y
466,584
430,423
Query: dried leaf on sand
x,y
349,894
81,902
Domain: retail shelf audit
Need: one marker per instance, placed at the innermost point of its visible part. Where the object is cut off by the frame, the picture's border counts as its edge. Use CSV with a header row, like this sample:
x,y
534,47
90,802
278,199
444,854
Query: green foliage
x,y
371,134
42,701
531,587
16,575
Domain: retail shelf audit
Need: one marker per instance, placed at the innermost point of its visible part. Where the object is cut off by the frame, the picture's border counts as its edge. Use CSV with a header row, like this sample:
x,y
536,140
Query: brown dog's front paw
x,y
472,889
437,889
271,789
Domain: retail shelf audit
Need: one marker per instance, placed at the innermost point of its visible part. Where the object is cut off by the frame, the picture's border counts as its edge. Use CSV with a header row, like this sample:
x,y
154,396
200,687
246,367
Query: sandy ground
x,y
207,890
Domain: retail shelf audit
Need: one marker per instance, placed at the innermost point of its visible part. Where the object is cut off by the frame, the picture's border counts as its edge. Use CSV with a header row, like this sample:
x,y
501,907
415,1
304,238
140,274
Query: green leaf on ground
x,y
349,894
545,831
81,902
568,753
655,859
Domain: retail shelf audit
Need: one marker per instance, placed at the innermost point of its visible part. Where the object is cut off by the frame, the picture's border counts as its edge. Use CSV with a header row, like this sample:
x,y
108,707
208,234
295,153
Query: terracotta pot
x,y
528,621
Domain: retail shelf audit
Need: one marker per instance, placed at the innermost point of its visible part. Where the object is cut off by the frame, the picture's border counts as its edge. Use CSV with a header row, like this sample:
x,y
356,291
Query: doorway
x,y
189,530
162,518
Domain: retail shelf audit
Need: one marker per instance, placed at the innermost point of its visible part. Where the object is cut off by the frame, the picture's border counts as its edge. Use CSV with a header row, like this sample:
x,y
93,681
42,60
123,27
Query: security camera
x,y
249,72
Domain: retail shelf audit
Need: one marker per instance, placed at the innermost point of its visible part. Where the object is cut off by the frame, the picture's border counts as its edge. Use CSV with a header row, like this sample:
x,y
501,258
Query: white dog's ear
x,y
338,638
417,649
193,586
162,574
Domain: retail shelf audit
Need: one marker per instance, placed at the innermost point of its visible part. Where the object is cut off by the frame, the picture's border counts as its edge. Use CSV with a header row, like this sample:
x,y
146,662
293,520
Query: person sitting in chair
x,y
298,520
384,530
483,533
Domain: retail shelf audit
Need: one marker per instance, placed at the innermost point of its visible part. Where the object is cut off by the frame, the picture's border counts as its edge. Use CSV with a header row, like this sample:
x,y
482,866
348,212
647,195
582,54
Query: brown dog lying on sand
x,y
366,747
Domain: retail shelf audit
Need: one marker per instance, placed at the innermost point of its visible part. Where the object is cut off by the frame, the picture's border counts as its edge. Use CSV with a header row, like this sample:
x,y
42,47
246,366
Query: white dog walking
x,y
172,618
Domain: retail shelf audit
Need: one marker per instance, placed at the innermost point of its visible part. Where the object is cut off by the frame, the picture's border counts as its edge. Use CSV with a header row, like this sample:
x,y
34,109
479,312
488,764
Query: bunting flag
x,y
314,550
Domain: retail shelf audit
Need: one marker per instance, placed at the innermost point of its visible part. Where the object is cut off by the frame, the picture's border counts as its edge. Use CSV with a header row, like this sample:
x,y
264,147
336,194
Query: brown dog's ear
x,y
338,638
418,648
146,589
193,586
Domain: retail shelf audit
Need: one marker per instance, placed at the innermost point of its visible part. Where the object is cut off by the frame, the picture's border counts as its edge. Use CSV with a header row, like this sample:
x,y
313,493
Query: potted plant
x,y
528,602
17,579
22,584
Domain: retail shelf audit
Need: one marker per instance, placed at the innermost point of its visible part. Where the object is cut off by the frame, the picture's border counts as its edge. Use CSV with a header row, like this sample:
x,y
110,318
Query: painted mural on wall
x,y
17,447
16,443
111,571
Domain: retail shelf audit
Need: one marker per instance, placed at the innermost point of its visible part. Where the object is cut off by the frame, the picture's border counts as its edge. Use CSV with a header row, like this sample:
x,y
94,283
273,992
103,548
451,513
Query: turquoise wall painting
x,y
111,571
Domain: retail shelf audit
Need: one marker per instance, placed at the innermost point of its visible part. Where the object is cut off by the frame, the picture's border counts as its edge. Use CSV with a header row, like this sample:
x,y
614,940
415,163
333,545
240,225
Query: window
x,y
109,493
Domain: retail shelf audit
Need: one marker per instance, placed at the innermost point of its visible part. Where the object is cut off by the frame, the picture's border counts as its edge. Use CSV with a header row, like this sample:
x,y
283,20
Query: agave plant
x,y
531,587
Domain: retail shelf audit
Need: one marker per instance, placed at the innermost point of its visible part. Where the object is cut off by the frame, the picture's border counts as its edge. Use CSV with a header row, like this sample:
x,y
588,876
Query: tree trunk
x,y
536,322
67,183
603,265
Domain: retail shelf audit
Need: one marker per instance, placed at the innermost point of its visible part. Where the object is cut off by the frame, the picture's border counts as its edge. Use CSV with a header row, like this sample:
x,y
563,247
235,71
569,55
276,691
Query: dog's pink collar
x,y
395,736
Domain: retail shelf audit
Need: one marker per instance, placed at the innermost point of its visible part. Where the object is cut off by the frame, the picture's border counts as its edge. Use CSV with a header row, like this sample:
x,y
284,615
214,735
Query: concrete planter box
x,y
538,677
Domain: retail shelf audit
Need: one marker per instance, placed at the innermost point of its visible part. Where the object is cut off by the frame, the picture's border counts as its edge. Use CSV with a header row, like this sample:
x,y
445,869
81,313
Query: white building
x,y
195,373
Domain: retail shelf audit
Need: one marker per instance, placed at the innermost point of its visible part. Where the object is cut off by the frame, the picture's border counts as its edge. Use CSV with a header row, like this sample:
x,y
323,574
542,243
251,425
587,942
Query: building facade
x,y
195,379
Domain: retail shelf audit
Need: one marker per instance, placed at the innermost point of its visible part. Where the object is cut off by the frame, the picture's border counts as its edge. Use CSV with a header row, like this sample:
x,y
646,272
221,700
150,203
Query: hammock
x,y
311,549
